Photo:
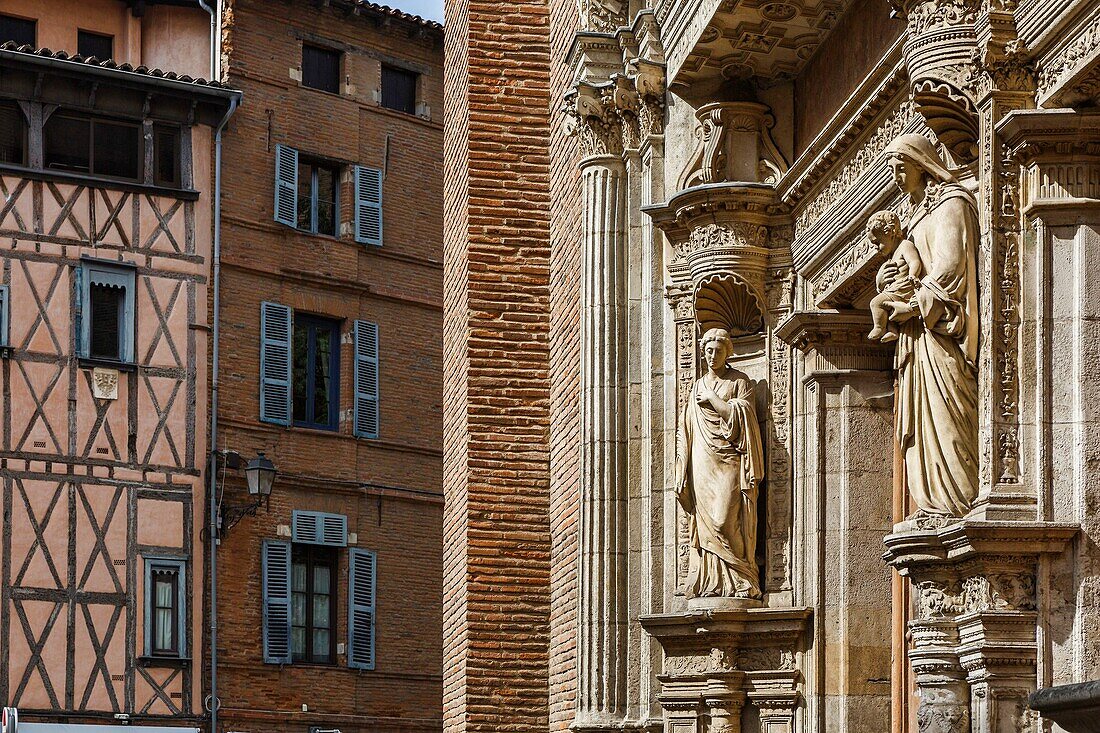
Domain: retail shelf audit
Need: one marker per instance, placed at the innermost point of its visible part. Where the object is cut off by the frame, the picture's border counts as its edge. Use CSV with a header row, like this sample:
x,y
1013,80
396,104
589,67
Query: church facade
x,y
770,366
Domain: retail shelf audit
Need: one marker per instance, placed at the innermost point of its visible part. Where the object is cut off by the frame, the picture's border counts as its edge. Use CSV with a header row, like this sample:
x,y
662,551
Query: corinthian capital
x,y
592,118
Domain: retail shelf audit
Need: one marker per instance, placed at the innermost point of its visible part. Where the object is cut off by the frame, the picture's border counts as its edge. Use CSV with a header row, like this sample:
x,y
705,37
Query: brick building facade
x,y
330,364
106,149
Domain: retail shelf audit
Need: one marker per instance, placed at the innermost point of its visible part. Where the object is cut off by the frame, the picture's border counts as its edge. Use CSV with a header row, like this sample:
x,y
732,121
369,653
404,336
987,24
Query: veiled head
x,y
912,155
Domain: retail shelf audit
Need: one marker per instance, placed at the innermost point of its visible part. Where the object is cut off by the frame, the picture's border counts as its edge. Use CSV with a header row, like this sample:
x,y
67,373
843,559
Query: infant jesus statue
x,y
896,301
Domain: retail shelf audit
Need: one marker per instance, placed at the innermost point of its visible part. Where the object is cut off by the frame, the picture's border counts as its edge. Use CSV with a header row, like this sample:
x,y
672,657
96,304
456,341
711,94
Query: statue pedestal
x,y
725,665
974,641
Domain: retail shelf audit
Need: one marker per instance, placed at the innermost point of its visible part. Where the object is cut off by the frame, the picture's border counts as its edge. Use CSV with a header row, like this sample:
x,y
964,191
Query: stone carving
x,y
105,383
1008,229
1055,71
590,116
719,466
734,144
864,158
937,407
1007,591
603,16
941,715
710,236
938,600
724,302
924,16
895,304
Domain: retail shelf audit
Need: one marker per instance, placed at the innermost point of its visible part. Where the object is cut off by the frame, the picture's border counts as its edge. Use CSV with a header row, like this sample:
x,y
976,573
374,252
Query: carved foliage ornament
x,y
924,16
1009,591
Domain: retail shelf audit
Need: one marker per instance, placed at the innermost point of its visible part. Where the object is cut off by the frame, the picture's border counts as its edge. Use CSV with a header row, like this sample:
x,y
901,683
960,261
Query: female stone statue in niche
x,y
937,407
720,463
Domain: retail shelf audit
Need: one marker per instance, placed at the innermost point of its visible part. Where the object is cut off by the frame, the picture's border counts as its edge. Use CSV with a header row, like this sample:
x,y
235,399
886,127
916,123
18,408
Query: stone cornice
x,y
966,539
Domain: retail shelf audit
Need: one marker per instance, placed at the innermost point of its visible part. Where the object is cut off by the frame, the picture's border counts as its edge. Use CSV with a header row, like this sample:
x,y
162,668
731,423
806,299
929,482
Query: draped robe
x,y
937,410
720,464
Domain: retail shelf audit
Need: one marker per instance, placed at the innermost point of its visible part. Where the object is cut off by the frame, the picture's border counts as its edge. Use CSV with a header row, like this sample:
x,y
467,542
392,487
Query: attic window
x,y
89,44
321,68
20,30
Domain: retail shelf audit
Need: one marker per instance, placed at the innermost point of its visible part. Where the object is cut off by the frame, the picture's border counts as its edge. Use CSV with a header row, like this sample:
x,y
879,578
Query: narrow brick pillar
x,y
496,362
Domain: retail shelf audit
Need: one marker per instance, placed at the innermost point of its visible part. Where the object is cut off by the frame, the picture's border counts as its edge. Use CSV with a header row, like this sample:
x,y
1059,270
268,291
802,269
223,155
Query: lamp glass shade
x,y
261,475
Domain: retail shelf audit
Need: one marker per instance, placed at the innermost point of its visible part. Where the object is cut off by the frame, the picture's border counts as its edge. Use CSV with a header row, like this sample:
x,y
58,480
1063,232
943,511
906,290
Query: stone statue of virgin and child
x,y
928,304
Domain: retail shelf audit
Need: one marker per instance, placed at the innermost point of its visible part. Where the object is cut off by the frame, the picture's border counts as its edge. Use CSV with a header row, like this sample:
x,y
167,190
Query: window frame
x,y
399,71
24,131
92,121
316,555
315,165
323,50
122,274
32,21
161,563
83,33
312,323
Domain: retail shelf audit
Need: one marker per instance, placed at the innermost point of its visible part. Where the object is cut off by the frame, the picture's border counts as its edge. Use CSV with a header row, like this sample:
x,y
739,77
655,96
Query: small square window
x,y
107,312
321,68
165,608
13,134
399,89
316,363
90,44
20,30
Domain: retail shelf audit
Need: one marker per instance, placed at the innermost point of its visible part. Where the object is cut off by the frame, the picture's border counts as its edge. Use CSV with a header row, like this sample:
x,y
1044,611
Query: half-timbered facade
x,y
106,177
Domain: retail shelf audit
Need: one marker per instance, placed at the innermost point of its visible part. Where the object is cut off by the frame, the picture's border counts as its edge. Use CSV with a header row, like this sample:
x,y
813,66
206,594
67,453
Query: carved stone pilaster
x,y
717,663
975,641
592,118
602,626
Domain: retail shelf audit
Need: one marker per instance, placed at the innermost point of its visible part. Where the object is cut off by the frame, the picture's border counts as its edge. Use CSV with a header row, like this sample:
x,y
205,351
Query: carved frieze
x,y
866,156
603,16
1059,68
923,16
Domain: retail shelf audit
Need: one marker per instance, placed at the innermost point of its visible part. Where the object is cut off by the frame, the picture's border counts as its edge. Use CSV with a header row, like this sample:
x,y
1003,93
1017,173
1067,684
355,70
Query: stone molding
x,y
835,342
1058,155
975,639
726,131
718,661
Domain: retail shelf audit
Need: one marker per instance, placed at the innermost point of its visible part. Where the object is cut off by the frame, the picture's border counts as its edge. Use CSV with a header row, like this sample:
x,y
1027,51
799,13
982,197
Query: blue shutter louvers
x,y
4,309
319,528
286,185
276,594
368,205
362,584
275,335
366,379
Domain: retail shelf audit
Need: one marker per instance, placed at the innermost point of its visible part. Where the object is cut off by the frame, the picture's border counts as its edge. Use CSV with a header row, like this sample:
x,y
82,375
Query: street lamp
x,y
261,474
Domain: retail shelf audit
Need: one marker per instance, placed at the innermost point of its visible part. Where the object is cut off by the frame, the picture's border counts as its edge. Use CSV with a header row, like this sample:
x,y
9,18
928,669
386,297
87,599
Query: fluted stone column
x,y
602,653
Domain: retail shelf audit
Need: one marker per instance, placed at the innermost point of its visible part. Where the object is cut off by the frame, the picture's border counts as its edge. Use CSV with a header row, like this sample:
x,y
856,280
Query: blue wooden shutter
x,y
319,528
286,185
366,379
276,569
275,334
368,205
79,341
362,582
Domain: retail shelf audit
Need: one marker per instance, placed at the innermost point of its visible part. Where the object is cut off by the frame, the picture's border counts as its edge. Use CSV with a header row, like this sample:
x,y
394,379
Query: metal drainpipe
x,y
215,26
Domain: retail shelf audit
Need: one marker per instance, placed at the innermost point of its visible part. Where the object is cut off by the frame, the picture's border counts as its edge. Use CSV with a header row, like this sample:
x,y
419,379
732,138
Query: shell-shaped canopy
x,y
724,301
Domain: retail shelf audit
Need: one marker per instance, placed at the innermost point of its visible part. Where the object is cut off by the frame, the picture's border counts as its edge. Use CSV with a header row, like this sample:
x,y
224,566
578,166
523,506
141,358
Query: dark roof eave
x,y
218,94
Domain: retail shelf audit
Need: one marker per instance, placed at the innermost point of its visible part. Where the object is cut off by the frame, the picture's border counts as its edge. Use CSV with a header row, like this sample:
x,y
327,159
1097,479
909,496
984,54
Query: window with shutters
x,y
20,30
321,68
316,372
276,601
13,134
106,312
313,600
399,89
165,608
319,528
98,45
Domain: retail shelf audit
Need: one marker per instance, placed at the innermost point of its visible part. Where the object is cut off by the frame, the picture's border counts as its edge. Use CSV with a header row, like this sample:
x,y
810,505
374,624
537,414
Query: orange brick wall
x,y
565,363
390,489
497,558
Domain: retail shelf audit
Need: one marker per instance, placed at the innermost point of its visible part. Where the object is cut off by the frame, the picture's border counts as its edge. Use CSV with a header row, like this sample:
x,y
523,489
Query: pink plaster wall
x,y
170,38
